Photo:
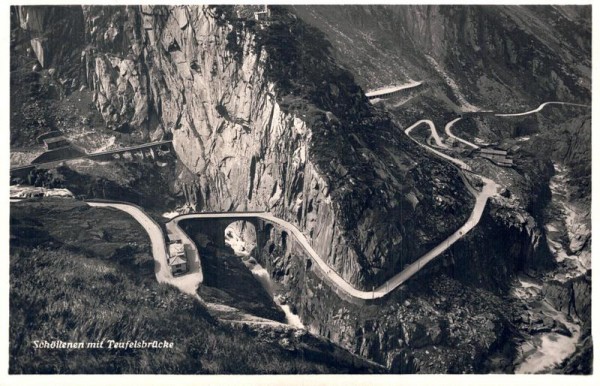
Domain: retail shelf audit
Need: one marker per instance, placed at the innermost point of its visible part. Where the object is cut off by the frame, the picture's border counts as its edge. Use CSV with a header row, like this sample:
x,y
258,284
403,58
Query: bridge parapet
x,y
148,150
275,246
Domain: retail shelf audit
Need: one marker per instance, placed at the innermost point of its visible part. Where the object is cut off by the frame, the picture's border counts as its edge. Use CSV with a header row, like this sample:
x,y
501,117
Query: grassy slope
x,y
81,274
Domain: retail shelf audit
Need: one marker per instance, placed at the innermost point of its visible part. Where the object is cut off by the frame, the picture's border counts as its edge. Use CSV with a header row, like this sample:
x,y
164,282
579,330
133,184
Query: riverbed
x,y
235,237
544,351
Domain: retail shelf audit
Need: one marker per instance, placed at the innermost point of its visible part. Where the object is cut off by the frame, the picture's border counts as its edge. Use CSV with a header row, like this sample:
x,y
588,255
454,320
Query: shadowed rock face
x,y
47,27
499,56
262,119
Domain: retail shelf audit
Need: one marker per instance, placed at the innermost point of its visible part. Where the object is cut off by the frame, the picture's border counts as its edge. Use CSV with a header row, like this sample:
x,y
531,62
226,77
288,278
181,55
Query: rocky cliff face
x,y
431,326
498,57
46,29
262,118
257,126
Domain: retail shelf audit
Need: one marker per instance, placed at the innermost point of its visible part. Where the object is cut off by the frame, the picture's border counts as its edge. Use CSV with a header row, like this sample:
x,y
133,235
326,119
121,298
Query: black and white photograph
x,y
266,189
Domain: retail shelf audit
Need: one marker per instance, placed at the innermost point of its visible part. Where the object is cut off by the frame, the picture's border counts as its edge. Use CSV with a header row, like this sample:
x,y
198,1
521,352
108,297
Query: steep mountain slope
x,y
85,275
509,58
258,123
269,115
501,57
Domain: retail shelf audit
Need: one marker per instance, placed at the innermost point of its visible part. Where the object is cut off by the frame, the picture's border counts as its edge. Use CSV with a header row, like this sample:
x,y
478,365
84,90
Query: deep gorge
x,y
264,118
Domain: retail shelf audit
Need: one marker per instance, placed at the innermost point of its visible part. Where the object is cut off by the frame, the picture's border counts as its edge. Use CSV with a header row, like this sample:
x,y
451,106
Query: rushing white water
x,y
262,275
547,350
244,250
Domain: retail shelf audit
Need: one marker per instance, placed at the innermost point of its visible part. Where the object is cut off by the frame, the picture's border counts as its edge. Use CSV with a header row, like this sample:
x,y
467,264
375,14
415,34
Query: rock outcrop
x,y
262,118
495,58
257,126
47,28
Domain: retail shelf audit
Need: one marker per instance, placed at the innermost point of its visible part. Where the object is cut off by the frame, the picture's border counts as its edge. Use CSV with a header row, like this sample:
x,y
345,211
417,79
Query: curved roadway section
x,y
539,108
187,283
434,133
448,131
489,190
455,161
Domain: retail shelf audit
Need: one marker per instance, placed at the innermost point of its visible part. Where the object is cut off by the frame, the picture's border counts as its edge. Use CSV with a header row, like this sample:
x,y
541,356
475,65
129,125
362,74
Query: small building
x,y
494,152
177,258
56,142
497,156
178,266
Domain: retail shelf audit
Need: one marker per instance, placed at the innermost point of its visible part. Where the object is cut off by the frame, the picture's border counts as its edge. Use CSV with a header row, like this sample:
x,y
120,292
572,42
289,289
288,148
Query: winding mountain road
x,y
187,283
397,280
434,133
489,189
431,125
539,108
448,131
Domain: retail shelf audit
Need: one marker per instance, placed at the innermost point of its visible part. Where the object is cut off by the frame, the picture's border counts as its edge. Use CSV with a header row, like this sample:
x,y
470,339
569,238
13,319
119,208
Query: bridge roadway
x,y
190,283
96,155
389,91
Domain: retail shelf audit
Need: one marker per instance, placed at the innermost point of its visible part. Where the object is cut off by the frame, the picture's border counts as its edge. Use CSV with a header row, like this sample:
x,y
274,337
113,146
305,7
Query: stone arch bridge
x,y
271,233
151,150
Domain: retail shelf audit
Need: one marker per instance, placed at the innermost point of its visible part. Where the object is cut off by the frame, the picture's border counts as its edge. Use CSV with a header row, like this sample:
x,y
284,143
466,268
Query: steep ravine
x,y
250,136
555,316
421,326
